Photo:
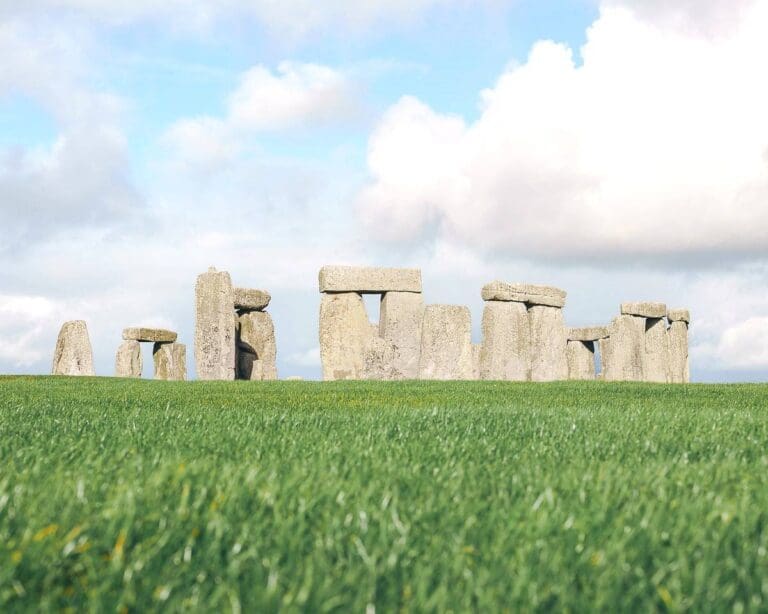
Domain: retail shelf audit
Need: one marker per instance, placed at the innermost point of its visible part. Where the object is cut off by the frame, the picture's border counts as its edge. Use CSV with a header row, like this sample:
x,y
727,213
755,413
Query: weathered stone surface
x,y
257,349
678,352
170,361
587,333
524,293
344,333
400,318
128,361
548,343
73,354
679,315
369,280
476,350
581,359
378,360
506,349
622,352
644,309
656,353
152,335
446,343
214,326
251,299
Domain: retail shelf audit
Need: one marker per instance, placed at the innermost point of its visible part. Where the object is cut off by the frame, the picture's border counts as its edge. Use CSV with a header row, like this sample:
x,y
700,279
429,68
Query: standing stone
x,y
581,360
344,334
214,326
446,343
170,361
548,344
73,354
256,346
400,319
477,348
378,360
678,352
128,362
656,353
506,349
622,352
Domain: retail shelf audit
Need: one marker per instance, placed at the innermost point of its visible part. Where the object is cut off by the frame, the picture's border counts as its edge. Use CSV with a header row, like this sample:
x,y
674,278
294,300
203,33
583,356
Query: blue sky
x,y
616,148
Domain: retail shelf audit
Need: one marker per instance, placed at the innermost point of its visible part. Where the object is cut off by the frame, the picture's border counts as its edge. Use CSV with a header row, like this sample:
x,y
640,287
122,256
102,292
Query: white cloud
x,y
655,147
743,345
24,322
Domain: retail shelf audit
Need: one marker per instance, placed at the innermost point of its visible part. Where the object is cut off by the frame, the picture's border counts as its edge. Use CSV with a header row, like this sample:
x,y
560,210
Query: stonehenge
x,y
73,354
580,351
169,357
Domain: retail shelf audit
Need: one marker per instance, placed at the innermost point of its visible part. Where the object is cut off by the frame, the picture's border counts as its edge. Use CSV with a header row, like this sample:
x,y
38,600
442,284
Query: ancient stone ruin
x,y
170,358
73,354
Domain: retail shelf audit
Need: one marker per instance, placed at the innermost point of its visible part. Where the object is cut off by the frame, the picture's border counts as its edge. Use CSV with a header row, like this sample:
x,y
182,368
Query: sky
x,y
617,149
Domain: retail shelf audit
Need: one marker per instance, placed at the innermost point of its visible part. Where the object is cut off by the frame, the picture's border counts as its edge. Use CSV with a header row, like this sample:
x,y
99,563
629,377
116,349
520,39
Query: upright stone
x,y
400,318
128,362
548,344
678,352
656,353
581,360
622,352
170,361
344,334
506,349
477,348
214,326
256,347
73,354
446,343
378,360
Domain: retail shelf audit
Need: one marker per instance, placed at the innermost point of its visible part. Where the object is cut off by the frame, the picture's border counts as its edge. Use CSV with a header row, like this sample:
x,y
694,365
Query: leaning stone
x,y
400,318
152,335
128,362
587,333
250,299
214,326
581,359
645,310
622,351
256,346
344,333
678,352
506,349
378,360
524,293
656,353
548,342
679,315
170,361
73,354
369,280
446,343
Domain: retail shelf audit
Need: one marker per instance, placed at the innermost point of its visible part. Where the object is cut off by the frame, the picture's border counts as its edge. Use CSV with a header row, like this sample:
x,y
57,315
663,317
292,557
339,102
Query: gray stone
x,y
644,309
476,351
524,293
622,352
151,335
214,326
344,333
581,359
378,360
446,343
656,354
170,361
73,354
369,280
679,315
257,349
679,372
506,349
548,343
587,333
400,318
128,362
251,299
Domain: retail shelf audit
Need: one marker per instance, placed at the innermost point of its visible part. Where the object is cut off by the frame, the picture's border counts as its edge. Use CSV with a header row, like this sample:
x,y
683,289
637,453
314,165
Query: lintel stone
x,y
251,299
644,309
369,280
679,315
524,293
154,335
588,333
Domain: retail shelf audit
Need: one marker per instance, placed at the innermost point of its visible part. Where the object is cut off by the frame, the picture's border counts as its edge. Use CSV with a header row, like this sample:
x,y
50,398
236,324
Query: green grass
x,y
121,495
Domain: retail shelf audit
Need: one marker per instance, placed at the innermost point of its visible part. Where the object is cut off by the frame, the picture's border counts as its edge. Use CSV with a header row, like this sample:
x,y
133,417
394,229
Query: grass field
x,y
121,495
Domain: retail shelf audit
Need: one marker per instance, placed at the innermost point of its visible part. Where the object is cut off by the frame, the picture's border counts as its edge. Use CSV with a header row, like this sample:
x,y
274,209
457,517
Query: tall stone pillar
x,y
622,352
344,335
581,351
505,353
548,344
400,318
73,354
257,349
679,372
446,343
214,326
170,361
656,354
128,361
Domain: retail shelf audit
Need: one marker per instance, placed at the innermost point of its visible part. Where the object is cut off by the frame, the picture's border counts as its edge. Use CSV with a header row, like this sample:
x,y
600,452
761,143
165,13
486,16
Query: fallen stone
x,y
170,361
621,353
369,280
152,335
344,334
548,343
679,315
645,310
400,318
679,372
656,355
581,359
250,299
587,333
446,343
294,378
506,349
524,293
128,361
214,326
378,360
257,349
73,354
